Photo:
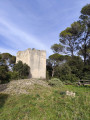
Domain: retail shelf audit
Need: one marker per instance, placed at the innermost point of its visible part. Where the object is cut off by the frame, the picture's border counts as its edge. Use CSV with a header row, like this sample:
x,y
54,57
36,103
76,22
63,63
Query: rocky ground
x,y
21,86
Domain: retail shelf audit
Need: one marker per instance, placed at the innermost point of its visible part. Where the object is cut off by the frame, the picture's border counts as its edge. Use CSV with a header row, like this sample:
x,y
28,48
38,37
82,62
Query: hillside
x,y
35,100
22,86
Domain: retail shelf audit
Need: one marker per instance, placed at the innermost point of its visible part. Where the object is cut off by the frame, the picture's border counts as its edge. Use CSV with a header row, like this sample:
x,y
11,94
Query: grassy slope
x,y
45,103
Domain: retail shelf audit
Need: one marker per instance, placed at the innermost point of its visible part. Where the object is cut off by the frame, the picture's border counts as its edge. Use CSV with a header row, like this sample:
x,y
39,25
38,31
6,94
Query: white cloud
x,y
19,39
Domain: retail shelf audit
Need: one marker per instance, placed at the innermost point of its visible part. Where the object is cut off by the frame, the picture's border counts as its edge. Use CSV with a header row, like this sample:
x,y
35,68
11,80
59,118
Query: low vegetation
x,y
44,102
56,82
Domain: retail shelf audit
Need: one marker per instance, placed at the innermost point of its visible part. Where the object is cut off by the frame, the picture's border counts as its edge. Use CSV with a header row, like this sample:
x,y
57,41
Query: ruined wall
x,y
36,59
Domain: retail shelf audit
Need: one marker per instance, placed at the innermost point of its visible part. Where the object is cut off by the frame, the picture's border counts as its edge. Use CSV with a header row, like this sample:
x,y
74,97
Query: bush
x,y
4,74
55,82
69,77
69,83
64,73
86,72
76,65
62,70
47,75
22,69
86,76
13,75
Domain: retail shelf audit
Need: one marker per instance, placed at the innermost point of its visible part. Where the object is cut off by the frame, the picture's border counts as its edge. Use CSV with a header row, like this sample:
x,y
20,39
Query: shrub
x,y
47,75
62,70
4,74
76,65
56,82
64,73
86,72
22,69
69,77
86,76
13,75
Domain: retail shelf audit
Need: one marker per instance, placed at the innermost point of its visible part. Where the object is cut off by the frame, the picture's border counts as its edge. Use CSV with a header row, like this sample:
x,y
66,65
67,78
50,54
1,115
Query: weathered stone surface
x,y
70,93
36,59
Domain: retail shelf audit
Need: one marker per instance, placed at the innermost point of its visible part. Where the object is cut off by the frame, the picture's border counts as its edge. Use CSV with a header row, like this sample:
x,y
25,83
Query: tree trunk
x,y
85,48
53,72
85,54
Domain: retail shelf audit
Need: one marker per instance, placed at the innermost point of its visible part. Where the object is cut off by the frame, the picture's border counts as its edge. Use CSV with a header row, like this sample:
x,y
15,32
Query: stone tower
x,y
36,59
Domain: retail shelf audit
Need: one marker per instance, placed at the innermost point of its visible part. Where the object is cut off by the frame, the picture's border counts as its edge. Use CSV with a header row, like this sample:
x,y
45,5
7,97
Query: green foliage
x,y
88,53
22,69
7,58
57,48
13,75
47,75
56,82
72,70
55,56
69,77
48,69
64,69
2,61
67,57
76,37
0,56
6,61
54,64
86,72
86,76
66,33
82,53
4,74
86,10
6,55
69,36
85,21
64,73
76,29
71,39
12,60
56,59
26,69
76,65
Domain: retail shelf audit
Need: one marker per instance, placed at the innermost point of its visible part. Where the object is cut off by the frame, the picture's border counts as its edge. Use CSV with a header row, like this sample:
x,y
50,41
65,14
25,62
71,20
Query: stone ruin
x,y
36,60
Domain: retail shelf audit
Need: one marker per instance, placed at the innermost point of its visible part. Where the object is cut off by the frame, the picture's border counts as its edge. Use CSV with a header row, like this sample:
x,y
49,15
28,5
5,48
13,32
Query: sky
x,y
35,23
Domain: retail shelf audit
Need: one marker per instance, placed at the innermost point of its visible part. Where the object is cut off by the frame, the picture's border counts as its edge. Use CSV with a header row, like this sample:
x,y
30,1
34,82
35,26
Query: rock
x,y
70,93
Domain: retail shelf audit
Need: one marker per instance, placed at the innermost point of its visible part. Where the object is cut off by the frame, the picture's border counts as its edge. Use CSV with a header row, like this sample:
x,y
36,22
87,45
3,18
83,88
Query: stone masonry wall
x,y
36,59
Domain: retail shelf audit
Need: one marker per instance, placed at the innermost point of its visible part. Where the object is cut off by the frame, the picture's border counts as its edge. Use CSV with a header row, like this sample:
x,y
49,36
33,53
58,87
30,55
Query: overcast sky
x,y
35,23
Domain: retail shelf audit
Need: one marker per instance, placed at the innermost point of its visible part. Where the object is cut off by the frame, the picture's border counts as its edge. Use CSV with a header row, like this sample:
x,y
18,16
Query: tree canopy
x,y
86,10
69,36
57,48
74,43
